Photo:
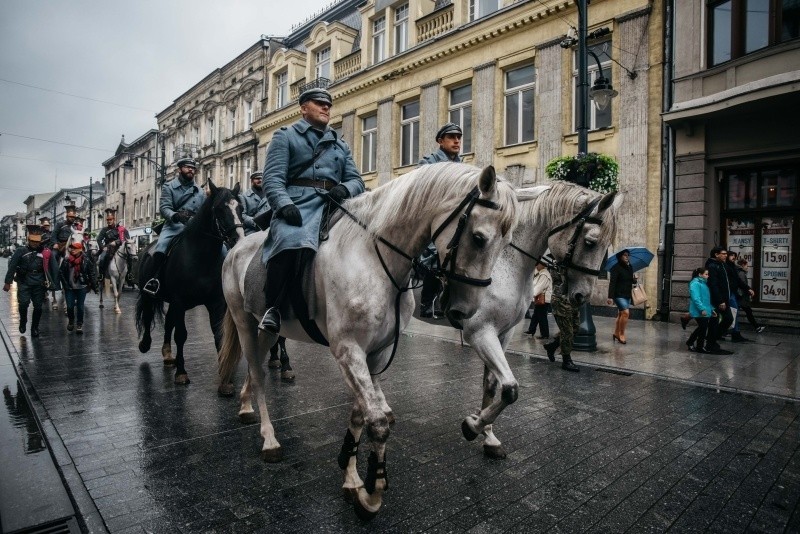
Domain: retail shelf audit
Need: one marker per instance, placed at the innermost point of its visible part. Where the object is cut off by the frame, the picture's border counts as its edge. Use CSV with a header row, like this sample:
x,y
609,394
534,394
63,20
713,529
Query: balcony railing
x,y
436,23
319,83
350,64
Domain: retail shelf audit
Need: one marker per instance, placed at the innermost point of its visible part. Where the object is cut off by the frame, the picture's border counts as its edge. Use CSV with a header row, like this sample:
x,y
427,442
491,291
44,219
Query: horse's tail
x,y
148,310
231,351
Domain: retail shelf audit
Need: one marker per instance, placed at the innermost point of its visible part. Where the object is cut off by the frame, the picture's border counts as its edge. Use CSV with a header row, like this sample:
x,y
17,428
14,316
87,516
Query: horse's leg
x,y
497,375
246,413
274,359
216,313
101,290
255,346
166,347
352,360
287,373
178,315
382,399
348,455
116,288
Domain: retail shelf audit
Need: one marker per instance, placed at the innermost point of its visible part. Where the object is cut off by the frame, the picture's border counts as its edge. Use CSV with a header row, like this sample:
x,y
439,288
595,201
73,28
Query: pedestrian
x,y
566,316
254,203
542,296
33,277
77,277
109,239
737,288
720,291
620,293
304,161
181,197
702,311
449,139
745,297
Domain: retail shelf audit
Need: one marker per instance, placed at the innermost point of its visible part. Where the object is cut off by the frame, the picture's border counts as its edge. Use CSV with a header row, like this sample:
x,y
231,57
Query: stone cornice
x,y
636,13
486,65
434,83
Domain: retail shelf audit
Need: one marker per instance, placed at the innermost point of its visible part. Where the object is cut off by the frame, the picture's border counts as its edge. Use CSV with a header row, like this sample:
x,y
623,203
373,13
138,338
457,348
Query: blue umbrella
x,y
640,258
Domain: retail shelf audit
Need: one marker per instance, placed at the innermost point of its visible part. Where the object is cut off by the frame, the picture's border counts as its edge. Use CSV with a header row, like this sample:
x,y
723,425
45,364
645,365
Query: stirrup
x,y
148,287
269,326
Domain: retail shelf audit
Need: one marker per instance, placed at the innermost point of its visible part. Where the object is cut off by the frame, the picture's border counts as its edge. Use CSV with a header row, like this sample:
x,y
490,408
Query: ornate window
x,y
481,8
282,84
378,39
401,29
323,64
248,115
210,130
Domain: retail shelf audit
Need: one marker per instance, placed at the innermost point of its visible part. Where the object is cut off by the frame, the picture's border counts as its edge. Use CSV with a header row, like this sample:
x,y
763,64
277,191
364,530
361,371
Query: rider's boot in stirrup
x,y
271,322
154,285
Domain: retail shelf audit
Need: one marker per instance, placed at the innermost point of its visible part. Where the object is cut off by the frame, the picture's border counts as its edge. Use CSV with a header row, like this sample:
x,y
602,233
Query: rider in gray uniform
x,y
254,203
181,197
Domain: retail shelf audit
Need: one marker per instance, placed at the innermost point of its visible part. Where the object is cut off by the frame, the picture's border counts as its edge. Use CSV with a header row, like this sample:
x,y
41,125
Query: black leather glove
x,y
181,217
338,193
291,215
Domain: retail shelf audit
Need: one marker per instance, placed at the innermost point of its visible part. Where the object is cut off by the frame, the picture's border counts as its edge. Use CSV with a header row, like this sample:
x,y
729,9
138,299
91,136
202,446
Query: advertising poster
x,y
776,259
741,239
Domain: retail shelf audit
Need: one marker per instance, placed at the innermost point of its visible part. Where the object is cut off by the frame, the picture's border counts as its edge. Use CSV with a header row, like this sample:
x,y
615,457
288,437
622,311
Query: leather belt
x,y
327,185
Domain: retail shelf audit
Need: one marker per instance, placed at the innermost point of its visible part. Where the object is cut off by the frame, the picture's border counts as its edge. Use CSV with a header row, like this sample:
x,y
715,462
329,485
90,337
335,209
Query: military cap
x,y
257,174
186,162
34,232
71,207
448,128
317,94
110,211
44,221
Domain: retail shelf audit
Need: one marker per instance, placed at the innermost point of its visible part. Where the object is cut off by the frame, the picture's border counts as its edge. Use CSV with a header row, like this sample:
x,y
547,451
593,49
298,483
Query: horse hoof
x,y
248,418
391,418
467,431
363,512
182,379
495,452
272,456
144,346
117,310
226,390
274,364
287,376
102,306
169,362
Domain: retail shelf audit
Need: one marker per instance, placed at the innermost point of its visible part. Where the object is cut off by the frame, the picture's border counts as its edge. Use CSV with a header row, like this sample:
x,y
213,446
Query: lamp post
x,y
602,92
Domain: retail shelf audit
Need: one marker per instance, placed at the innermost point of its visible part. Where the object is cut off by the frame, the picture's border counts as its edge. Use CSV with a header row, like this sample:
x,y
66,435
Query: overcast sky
x,y
141,54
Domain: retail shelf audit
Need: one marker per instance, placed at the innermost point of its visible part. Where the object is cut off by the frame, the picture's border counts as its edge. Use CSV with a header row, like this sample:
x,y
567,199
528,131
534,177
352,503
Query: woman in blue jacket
x,y
701,310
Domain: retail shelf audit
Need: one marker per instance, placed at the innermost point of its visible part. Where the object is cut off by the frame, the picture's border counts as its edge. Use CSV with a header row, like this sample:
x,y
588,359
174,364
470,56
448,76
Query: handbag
x,y
539,300
638,295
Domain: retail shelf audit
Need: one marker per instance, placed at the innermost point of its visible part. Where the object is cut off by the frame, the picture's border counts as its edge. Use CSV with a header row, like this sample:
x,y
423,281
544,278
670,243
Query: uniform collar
x,y
302,126
456,159
176,183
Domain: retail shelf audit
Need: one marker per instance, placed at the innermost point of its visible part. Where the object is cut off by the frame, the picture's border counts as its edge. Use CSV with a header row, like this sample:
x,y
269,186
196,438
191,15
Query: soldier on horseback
x,y
303,160
110,239
181,197
63,230
254,203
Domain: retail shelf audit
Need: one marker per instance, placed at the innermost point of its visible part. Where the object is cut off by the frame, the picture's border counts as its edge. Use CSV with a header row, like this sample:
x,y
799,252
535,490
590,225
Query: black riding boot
x,y
153,285
280,272
23,319
37,315
551,348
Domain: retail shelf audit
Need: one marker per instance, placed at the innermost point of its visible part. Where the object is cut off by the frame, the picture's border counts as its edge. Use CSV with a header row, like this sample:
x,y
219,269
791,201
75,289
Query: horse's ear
x,y
236,189
488,180
531,193
213,188
614,198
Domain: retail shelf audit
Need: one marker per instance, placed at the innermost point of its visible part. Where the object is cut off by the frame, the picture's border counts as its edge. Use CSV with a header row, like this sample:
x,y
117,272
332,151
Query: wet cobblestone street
x,y
594,451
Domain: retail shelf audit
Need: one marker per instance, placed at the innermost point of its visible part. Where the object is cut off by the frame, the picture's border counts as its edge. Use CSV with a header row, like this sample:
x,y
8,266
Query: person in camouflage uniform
x,y
566,316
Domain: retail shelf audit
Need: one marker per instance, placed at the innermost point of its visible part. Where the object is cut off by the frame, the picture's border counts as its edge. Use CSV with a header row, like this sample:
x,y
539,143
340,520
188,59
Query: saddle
x,y
300,301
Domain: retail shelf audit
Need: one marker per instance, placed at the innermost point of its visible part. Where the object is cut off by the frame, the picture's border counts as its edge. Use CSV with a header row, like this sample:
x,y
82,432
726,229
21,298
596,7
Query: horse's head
x,y
470,232
227,213
579,242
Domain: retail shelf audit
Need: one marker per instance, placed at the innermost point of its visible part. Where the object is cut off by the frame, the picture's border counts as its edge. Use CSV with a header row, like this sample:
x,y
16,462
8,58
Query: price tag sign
x,y
741,239
776,259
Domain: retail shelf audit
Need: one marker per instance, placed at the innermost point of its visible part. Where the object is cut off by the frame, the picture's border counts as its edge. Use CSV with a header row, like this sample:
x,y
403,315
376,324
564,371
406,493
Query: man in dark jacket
x,y
306,168
449,139
109,240
737,288
720,293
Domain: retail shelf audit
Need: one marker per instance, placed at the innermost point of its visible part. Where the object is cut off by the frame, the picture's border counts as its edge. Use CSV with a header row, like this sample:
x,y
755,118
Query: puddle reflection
x,y
22,420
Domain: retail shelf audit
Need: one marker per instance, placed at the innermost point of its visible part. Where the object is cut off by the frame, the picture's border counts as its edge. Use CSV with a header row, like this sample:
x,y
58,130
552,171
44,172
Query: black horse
x,y
191,276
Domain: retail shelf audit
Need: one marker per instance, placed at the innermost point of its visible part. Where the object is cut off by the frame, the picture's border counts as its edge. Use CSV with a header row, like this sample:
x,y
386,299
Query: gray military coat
x,y
253,204
177,196
289,151
439,156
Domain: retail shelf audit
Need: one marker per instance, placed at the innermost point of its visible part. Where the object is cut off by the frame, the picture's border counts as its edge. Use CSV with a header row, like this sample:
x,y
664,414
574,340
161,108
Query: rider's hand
x,y
291,215
338,193
6,287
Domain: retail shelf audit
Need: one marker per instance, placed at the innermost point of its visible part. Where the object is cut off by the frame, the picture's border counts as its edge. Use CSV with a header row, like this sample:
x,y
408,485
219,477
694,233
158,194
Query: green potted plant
x,y
602,170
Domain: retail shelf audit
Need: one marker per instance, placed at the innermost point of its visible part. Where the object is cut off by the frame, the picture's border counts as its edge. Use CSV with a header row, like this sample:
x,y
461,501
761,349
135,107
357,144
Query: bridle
x,y
228,236
567,263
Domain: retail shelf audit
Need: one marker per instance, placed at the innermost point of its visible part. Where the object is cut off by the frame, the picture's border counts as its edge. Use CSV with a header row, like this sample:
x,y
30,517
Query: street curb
x,y
87,513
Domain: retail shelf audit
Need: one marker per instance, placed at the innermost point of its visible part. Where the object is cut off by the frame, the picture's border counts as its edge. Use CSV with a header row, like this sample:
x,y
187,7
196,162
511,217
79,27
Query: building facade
x,y
87,200
734,99
133,184
212,121
399,69
12,231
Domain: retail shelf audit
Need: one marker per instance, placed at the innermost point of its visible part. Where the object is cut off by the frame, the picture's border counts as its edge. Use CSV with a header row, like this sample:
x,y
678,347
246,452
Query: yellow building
x,y
399,69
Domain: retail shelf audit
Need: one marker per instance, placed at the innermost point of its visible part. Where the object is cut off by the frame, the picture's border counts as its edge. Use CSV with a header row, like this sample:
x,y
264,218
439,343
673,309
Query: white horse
x,y
577,225
117,271
360,278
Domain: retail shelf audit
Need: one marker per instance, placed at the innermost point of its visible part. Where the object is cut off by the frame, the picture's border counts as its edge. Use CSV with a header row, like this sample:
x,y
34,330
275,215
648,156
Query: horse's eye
x,y
479,240
589,243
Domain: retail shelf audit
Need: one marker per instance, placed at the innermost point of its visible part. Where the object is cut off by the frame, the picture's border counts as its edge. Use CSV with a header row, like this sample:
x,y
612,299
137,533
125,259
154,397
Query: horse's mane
x,y
417,194
560,202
